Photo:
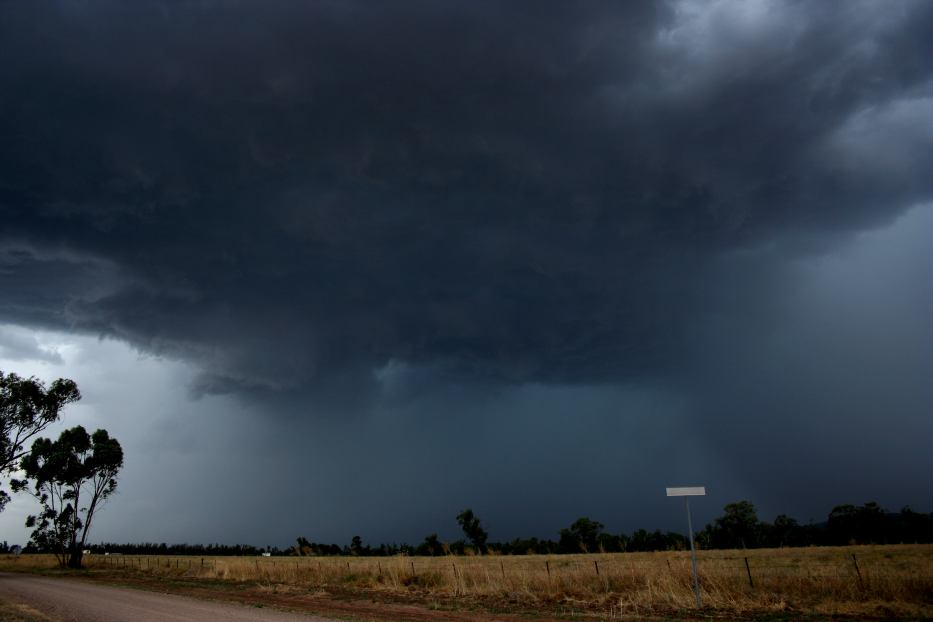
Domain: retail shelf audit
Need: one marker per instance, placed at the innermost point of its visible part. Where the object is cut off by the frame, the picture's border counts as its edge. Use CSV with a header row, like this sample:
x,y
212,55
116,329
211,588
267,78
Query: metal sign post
x,y
686,492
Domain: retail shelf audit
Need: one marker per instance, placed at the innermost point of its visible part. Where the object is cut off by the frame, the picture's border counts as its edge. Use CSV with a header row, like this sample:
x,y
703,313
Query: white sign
x,y
687,491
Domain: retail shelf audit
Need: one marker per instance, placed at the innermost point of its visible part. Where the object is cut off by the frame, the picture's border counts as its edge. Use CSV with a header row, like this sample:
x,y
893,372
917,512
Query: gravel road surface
x,y
74,601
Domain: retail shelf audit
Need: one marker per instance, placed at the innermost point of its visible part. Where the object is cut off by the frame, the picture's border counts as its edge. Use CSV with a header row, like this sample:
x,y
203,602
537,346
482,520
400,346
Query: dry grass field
x,y
869,581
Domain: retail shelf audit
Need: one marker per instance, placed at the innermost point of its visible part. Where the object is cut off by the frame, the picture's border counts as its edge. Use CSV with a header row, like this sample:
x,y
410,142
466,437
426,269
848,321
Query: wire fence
x,y
757,570
854,579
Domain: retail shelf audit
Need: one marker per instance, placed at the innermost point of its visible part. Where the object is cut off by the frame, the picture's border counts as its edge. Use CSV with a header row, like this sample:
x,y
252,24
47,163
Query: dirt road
x,y
74,601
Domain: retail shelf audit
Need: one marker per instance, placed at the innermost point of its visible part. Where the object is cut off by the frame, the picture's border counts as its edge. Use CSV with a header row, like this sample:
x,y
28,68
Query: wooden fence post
x,y
547,566
858,573
596,563
749,571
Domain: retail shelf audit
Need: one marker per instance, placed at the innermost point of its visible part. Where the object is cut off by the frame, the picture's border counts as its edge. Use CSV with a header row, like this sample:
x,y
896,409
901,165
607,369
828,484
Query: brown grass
x,y
17,612
890,581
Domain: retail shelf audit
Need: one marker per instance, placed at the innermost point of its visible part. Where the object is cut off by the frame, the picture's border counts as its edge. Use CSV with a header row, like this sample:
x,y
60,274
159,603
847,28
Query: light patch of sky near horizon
x,y
205,470
142,401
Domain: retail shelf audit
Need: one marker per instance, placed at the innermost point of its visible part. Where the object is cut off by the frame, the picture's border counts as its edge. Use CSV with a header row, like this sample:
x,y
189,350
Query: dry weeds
x,y
884,581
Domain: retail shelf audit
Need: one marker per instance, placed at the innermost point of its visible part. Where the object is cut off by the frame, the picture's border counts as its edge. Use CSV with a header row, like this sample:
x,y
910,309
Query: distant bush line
x,y
738,527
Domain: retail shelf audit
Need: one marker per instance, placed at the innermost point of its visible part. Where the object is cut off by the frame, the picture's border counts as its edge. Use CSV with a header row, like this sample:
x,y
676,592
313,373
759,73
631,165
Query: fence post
x,y
596,563
413,569
502,568
547,566
749,571
858,573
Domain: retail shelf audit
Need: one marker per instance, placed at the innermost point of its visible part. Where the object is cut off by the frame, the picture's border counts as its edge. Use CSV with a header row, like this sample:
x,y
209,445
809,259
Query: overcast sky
x,y
340,268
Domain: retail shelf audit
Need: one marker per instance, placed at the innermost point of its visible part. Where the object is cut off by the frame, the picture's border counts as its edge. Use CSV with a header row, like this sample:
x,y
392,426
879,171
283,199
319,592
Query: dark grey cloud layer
x,y
525,192
353,201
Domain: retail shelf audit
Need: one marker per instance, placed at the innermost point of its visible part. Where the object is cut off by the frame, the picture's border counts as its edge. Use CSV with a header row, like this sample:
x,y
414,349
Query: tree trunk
x,y
74,561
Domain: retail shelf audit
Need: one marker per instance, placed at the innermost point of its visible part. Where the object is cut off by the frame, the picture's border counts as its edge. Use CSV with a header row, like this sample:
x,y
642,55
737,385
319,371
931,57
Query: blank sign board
x,y
687,491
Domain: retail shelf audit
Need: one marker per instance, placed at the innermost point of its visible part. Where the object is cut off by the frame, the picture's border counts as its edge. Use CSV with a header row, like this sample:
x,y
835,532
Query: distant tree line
x,y
738,527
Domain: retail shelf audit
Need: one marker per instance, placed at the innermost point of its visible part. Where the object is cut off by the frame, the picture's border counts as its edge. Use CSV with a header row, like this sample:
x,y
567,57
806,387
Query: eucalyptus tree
x,y
71,478
473,529
27,407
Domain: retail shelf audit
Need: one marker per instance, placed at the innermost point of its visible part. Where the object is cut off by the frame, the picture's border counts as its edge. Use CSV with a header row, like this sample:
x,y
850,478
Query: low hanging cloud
x,y
296,197
19,344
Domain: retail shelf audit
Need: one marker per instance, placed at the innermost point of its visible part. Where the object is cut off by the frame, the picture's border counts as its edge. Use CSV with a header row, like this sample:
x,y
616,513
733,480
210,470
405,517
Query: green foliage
x,y
910,526
357,548
737,528
850,524
71,478
785,531
27,407
643,540
430,547
473,529
527,546
581,537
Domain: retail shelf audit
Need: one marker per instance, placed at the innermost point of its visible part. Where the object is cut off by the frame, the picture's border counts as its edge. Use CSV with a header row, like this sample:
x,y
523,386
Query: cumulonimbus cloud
x,y
288,194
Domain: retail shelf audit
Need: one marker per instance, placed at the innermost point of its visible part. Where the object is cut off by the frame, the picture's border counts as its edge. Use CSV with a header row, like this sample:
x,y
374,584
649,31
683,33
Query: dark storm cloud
x,y
299,196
